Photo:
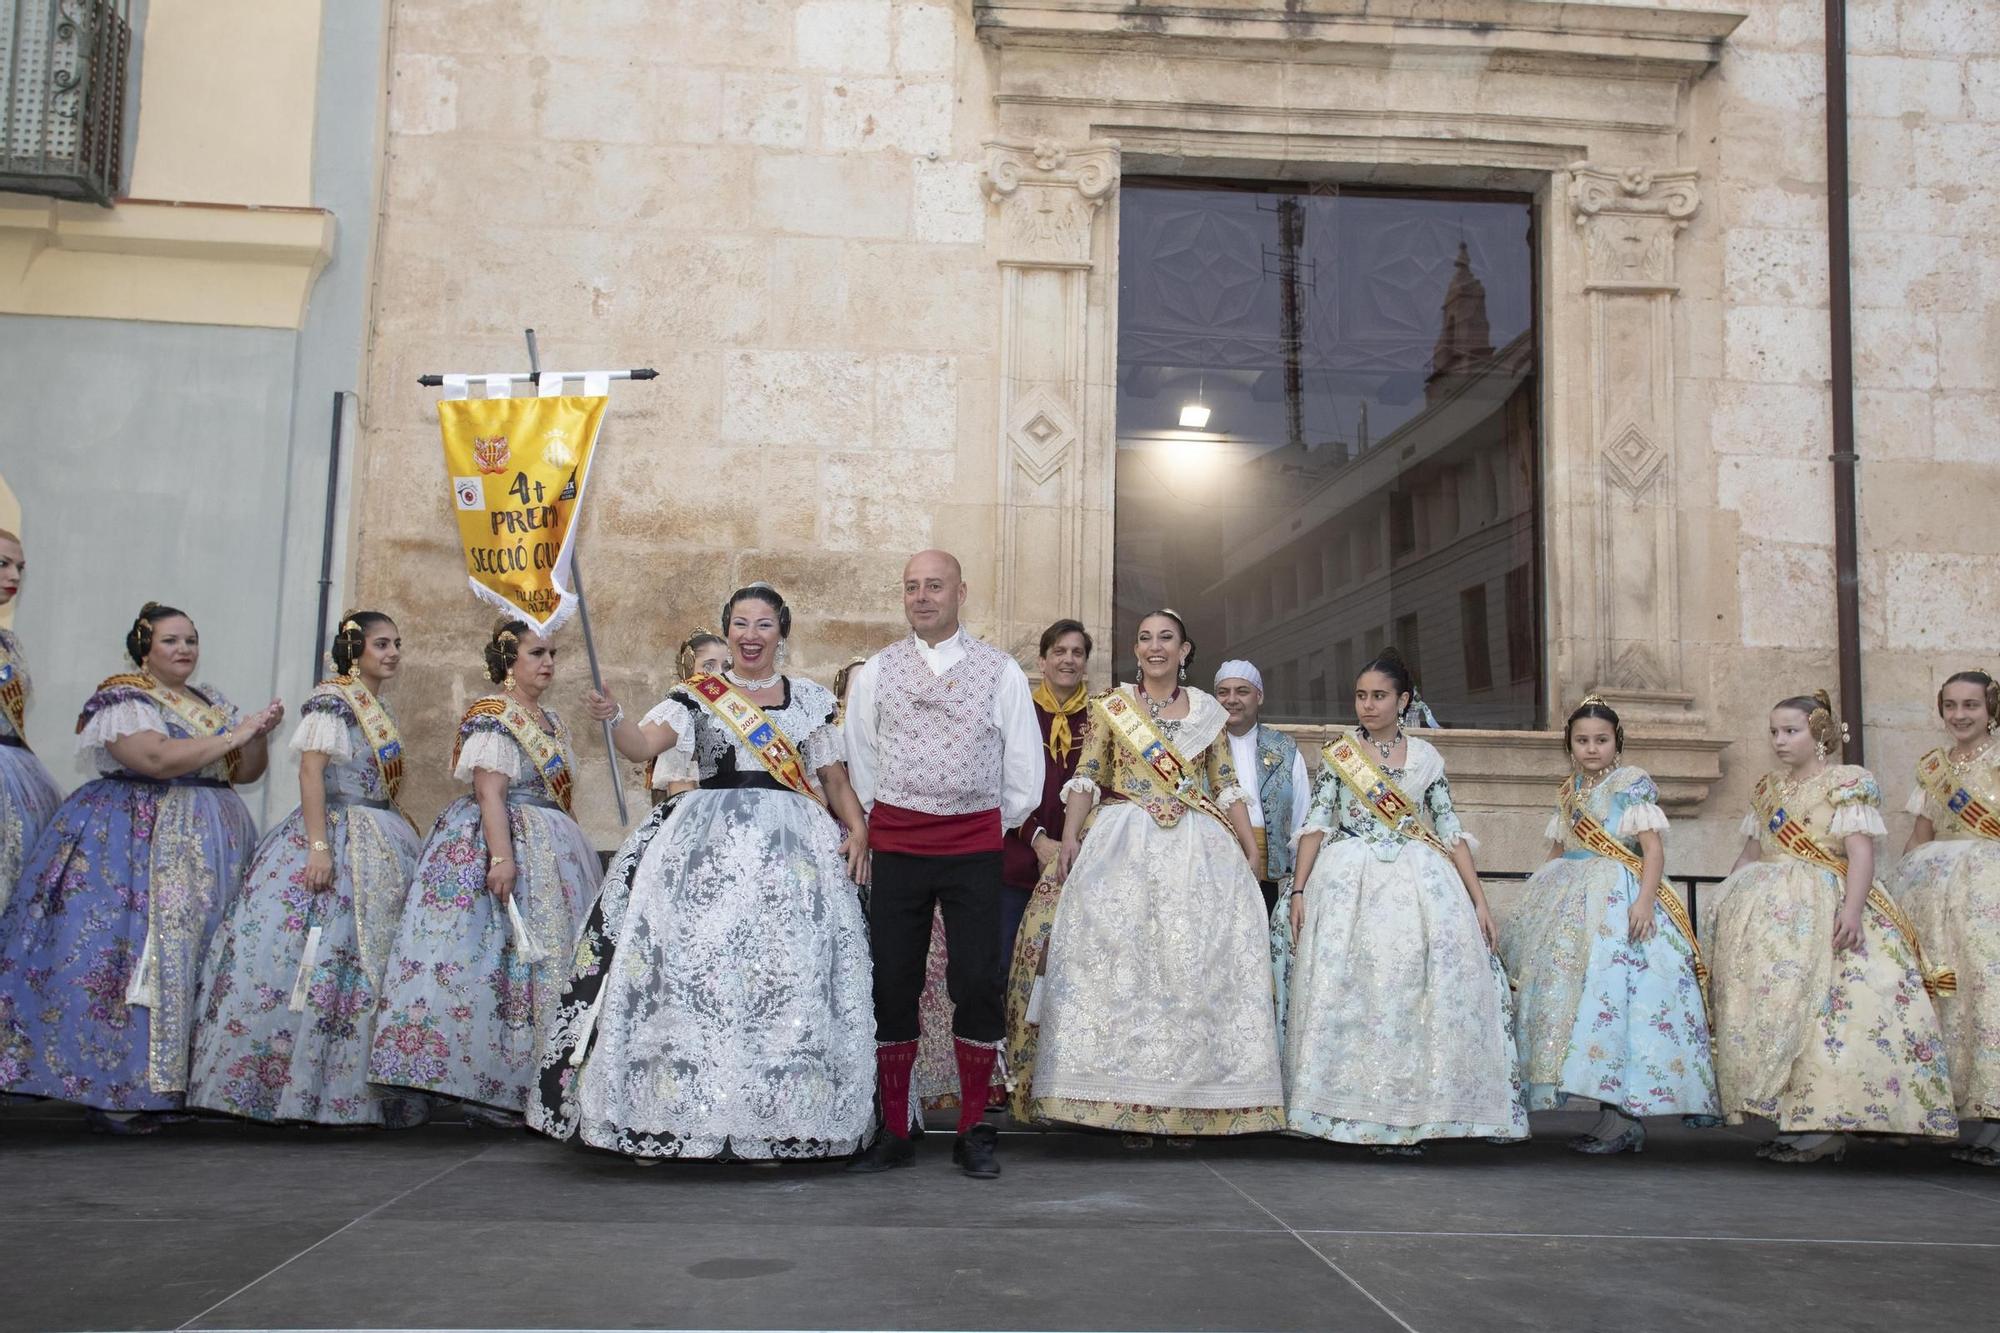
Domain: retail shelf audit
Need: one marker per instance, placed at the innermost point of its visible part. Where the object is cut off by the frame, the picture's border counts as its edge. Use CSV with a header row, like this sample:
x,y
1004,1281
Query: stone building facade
x,y
872,247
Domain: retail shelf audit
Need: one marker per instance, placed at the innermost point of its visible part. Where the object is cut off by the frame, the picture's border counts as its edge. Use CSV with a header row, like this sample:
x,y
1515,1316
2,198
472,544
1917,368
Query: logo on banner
x,y
517,531
491,453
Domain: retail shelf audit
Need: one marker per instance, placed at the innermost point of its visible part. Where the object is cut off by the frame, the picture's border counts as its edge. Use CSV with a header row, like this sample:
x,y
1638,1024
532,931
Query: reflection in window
x,y
1366,470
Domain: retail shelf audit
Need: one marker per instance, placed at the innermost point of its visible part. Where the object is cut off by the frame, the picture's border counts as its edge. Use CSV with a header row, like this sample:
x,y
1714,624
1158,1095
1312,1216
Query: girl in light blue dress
x,y
1609,1006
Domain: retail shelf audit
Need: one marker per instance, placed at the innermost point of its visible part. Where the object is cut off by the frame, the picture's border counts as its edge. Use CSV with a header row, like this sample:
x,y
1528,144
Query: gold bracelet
x,y
499,860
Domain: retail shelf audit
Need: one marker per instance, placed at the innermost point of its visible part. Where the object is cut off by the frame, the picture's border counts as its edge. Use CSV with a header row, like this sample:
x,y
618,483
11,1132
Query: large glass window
x,y
1327,438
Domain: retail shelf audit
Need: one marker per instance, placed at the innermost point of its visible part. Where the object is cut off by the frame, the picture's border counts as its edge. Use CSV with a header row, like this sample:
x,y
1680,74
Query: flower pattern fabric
x,y
1156,1014
293,978
461,1012
1950,888
100,944
720,1000
1810,1038
1596,1015
1395,1016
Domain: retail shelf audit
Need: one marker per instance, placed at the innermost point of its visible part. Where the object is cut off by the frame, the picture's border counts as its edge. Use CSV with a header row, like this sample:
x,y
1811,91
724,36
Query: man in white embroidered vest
x,y
1267,763
944,751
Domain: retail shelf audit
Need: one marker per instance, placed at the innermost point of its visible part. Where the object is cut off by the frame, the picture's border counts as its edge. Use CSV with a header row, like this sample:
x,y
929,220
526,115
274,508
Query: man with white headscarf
x,y
1269,765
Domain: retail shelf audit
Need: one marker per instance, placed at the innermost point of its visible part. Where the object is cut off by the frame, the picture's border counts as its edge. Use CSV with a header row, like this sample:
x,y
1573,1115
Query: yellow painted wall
x,y
226,101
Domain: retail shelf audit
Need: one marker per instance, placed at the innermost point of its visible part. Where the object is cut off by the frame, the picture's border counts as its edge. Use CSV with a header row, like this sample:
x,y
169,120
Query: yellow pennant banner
x,y
518,468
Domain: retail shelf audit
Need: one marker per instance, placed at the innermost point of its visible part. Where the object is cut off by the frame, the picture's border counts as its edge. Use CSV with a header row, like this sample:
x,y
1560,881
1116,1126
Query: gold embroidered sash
x,y
1595,837
377,726
544,751
774,749
1167,772
1796,841
13,692
1379,792
1934,776
196,714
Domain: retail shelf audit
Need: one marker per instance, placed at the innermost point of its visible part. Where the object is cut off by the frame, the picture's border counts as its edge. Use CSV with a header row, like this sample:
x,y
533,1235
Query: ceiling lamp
x,y
1194,416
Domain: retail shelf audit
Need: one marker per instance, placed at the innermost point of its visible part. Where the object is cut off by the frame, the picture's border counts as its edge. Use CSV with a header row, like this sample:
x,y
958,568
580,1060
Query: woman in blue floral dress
x,y
28,795
501,890
101,943
1609,1005
292,979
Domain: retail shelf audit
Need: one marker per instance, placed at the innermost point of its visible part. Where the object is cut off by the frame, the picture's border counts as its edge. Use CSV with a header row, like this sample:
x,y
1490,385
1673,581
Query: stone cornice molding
x,y
1682,42
162,261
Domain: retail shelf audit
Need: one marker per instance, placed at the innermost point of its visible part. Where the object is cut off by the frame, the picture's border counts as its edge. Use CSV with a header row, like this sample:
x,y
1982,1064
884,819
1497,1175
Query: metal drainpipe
x,y
1840,311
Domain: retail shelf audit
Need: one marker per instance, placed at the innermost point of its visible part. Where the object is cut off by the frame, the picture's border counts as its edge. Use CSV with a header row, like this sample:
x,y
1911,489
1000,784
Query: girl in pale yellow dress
x,y
1949,883
1819,1007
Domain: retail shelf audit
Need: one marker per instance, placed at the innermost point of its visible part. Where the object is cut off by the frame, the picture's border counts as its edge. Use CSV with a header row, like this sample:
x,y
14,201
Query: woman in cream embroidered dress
x,y
1609,1007
720,1003
1820,1017
1949,883
291,981
1156,1013
1396,1021
501,889
28,795
100,946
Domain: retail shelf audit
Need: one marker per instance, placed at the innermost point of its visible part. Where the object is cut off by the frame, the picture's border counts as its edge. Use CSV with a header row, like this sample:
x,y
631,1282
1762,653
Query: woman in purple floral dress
x,y
100,945
501,892
291,982
28,795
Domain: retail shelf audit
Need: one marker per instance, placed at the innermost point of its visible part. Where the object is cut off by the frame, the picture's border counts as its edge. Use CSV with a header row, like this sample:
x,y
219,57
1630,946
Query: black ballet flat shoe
x,y
974,1152
886,1153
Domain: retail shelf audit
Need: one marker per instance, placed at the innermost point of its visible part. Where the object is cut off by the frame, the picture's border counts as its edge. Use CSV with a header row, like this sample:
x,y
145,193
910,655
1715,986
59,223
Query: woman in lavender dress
x,y
100,945
501,891
290,985
28,796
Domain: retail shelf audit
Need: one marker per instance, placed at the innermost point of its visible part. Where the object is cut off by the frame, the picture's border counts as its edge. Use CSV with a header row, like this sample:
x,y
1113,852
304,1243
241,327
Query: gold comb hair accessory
x,y
1593,701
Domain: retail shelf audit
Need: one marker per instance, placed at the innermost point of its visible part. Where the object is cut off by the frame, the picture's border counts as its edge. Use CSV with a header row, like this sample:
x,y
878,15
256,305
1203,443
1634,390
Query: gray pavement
x,y
226,1226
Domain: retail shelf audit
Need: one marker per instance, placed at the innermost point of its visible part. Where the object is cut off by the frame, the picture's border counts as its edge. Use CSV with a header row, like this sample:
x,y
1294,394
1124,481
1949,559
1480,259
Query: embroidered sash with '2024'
x,y
198,715
544,751
13,693
377,726
1797,842
1598,839
1934,776
774,749
1168,773
1379,792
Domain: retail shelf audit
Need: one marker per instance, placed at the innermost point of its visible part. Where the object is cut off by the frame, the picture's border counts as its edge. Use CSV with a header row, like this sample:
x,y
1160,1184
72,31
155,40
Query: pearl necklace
x,y
752,685
1958,765
1385,749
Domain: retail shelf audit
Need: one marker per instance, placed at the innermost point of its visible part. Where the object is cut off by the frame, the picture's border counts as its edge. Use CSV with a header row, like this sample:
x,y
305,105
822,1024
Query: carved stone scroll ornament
x,y
1629,219
1048,195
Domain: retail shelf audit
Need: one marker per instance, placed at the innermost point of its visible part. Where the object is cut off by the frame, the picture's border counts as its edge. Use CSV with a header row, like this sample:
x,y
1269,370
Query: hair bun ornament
x,y
1593,701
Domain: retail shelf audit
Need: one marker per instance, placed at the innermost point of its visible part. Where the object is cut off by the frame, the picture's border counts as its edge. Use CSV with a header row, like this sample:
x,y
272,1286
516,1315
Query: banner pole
x,y
583,619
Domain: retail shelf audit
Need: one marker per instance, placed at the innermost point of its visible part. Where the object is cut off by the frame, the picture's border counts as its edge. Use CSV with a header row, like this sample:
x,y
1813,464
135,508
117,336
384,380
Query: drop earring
x,y
1184,673
508,684
1819,748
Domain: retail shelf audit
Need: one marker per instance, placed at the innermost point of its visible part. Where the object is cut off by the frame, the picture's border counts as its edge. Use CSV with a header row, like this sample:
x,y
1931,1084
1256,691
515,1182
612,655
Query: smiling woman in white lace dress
x,y
1156,1014
720,1004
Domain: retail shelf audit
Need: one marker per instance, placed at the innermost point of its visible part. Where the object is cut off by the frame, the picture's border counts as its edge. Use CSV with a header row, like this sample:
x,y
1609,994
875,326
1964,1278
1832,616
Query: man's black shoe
x,y
974,1152
885,1153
